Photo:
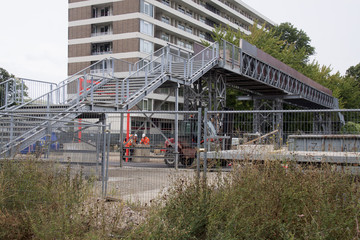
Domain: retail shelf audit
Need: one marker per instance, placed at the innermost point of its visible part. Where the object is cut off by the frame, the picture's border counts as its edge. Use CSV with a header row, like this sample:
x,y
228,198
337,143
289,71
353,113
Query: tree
x,y
354,71
291,35
5,75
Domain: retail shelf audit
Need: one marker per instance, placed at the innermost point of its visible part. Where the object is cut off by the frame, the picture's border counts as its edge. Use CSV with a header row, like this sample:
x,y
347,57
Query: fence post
x,y
103,150
205,143
6,95
121,141
198,144
176,128
108,135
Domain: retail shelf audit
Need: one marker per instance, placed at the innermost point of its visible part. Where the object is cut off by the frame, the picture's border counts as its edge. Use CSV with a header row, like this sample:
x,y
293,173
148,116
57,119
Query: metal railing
x,y
8,93
245,63
198,63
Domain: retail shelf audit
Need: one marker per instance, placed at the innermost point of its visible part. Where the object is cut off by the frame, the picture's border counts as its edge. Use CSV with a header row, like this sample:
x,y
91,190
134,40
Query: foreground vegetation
x,y
267,201
260,202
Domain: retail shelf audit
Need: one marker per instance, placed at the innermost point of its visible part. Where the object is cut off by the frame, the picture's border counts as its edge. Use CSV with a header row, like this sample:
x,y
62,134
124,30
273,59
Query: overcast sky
x,y
33,41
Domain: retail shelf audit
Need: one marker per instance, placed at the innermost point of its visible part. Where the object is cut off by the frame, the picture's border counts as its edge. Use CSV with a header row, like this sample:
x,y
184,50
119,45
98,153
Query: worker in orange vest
x,y
128,143
145,140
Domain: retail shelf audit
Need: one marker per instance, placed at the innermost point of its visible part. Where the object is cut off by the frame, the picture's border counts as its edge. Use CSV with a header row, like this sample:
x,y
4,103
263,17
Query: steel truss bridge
x,y
113,84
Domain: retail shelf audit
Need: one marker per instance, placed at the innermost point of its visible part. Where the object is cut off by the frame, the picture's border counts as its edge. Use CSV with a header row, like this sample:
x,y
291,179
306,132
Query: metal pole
x,y
103,121
205,143
6,95
121,141
107,158
176,128
198,144
22,90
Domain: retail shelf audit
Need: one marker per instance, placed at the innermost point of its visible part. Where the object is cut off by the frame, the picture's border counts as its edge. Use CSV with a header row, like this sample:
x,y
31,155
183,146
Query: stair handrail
x,y
81,71
148,58
4,86
212,50
147,68
42,126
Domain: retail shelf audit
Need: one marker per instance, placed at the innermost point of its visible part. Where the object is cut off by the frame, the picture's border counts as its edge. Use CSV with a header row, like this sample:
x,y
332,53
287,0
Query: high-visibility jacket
x,y
129,143
145,141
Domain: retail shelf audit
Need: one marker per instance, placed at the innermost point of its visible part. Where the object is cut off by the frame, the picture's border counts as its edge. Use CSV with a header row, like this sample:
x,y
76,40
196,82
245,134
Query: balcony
x,y
101,11
101,48
100,30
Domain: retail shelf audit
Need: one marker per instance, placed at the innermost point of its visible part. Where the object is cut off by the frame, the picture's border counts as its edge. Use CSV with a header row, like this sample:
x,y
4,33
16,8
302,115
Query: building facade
x,y
131,29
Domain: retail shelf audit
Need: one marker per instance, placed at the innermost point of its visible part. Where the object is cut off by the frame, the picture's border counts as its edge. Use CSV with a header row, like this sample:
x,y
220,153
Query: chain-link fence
x,y
135,155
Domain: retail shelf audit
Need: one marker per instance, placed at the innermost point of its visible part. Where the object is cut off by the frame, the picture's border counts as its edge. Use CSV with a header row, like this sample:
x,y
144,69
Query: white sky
x,y
33,40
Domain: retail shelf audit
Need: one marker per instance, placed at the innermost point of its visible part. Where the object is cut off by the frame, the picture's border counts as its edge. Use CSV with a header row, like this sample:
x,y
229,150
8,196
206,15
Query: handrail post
x,y
78,91
127,88
146,75
202,58
122,91
233,57
117,92
51,91
241,60
224,50
6,95
92,91
22,90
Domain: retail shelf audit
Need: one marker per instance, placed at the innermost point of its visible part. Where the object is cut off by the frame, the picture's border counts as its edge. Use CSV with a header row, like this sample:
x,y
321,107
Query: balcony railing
x,y
101,33
101,52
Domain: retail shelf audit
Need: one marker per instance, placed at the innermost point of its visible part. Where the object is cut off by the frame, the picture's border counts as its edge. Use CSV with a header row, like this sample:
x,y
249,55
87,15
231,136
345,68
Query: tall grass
x,y
39,200
259,202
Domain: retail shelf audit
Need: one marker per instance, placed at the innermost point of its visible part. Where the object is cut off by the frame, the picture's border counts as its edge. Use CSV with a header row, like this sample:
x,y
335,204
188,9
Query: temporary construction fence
x,y
182,143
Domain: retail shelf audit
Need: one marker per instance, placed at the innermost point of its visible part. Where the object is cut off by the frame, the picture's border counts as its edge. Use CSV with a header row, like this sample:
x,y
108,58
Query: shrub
x,y
39,201
259,202
350,128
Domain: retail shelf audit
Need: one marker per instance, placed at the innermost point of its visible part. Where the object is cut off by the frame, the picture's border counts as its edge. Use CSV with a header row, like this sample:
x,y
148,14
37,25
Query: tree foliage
x,y
291,35
354,71
292,47
5,75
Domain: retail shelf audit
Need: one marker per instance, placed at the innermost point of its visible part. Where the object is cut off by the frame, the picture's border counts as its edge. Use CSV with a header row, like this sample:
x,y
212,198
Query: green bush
x,y
350,128
259,202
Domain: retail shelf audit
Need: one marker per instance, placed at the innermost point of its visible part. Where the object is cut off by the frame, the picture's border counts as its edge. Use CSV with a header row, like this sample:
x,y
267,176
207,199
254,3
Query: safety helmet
x,y
144,135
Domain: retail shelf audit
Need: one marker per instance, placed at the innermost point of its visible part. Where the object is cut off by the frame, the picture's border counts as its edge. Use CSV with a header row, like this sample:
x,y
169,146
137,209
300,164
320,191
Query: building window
x,y
146,46
105,12
105,66
97,30
181,9
189,12
165,37
166,2
189,46
101,11
188,29
164,106
181,26
202,34
180,43
101,48
146,28
165,19
147,8
202,19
